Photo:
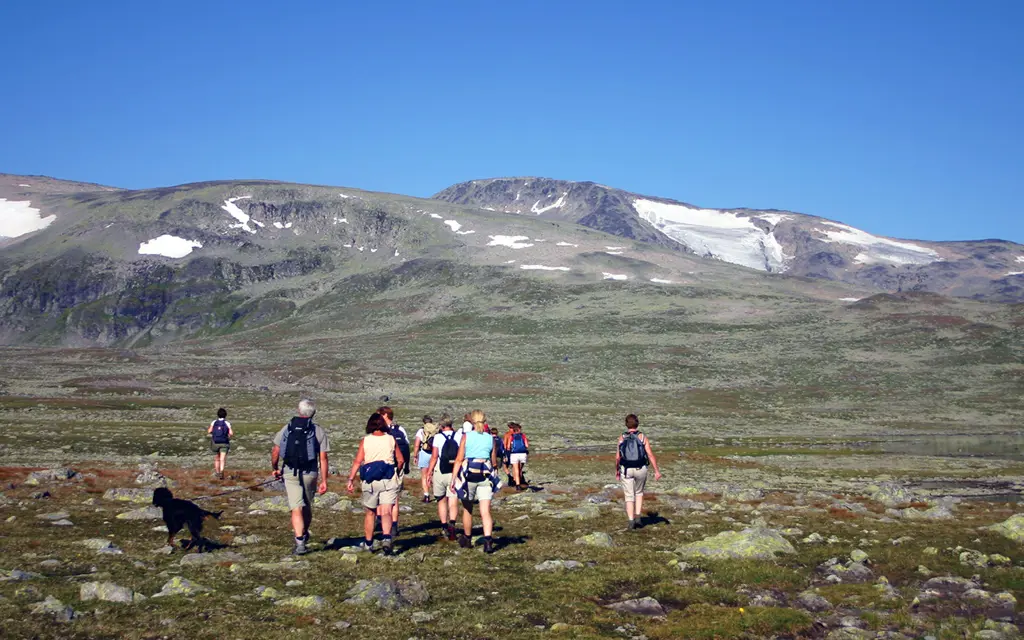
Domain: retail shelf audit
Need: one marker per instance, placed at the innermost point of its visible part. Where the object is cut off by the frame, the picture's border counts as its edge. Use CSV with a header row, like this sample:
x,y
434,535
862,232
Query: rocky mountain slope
x,y
773,241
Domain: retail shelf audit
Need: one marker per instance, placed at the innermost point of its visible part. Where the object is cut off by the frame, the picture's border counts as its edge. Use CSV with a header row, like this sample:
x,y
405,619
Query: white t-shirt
x,y
467,426
419,436
439,439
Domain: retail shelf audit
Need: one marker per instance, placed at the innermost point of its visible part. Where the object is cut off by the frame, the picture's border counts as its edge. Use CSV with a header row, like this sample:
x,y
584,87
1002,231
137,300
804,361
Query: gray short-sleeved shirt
x,y
321,437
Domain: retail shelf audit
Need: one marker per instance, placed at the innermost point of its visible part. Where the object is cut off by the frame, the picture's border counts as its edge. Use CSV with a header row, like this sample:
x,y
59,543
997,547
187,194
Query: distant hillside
x,y
774,241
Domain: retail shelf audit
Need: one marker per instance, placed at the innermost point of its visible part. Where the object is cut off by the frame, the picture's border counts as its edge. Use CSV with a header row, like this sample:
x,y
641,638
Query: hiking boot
x,y
388,547
365,546
465,542
632,525
394,530
426,499
450,530
639,523
488,545
300,548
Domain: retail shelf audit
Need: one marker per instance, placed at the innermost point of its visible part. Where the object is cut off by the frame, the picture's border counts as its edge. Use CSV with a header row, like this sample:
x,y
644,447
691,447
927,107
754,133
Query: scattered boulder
x,y
50,475
557,565
759,543
145,513
101,545
639,607
858,556
273,503
973,558
247,539
56,515
326,500
151,478
813,602
54,608
596,539
891,494
814,538
267,592
387,594
419,617
1012,528
17,575
302,602
207,559
341,505
848,572
582,512
939,512
743,494
178,586
108,592
63,523
131,494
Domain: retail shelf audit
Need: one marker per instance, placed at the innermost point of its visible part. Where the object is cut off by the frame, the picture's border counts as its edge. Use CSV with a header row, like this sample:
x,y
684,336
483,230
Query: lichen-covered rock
x,y
130,494
891,494
858,556
54,608
557,565
302,602
207,559
102,545
341,505
973,558
17,575
56,515
814,538
108,592
178,586
247,539
850,633
151,478
267,592
596,539
1012,527
145,513
326,500
50,475
639,607
273,503
743,494
582,512
387,594
850,572
940,512
813,602
749,543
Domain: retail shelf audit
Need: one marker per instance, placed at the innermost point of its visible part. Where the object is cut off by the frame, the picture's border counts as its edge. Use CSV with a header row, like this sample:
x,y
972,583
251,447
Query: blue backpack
x,y
379,470
221,434
519,444
402,443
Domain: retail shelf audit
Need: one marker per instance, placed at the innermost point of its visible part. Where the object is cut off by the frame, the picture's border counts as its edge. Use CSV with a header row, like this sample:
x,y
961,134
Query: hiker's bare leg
x,y
385,519
467,518
630,506
639,505
216,462
299,521
369,521
423,482
515,473
392,516
453,507
223,460
485,516
442,510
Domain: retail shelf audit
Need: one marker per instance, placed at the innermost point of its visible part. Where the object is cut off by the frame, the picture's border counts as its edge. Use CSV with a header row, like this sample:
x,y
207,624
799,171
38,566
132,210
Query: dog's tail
x,y
215,514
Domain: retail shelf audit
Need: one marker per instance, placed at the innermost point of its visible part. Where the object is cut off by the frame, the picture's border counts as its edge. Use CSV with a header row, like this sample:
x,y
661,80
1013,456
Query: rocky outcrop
x,y
752,543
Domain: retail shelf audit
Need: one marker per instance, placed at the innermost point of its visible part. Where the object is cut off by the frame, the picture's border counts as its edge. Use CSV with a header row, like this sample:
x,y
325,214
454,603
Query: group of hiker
x,y
456,466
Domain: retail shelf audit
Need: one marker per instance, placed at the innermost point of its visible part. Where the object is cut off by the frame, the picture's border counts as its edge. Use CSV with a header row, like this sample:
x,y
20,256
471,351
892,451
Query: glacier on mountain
x,y
876,248
18,218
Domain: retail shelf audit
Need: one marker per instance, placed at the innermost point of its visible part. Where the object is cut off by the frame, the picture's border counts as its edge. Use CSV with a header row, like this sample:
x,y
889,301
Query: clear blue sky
x,y
905,118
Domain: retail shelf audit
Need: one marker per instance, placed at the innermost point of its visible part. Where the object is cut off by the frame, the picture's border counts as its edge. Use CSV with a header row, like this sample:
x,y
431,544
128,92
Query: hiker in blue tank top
x,y
476,479
220,441
631,459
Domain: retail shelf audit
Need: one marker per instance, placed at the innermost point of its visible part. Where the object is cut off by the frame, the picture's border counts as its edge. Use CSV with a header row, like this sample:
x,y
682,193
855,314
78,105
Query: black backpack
x,y
449,451
220,431
301,448
402,443
632,451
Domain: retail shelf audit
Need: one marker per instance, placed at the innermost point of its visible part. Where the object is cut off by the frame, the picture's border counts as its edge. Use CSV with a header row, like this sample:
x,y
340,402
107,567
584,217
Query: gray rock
x,y
100,544
208,559
596,539
850,633
108,592
294,583
326,500
341,625
145,513
950,584
858,556
639,607
50,475
419,617
813,602
302,602
56,515
17,575
387,594
54,608
583,512
274,503
850,572
247,539
557,565
63,523
178,586
132,494
892,494
1012,528
342,505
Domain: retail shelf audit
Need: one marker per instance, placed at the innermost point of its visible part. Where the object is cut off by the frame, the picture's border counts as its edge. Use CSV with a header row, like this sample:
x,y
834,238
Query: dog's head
x,y
162,496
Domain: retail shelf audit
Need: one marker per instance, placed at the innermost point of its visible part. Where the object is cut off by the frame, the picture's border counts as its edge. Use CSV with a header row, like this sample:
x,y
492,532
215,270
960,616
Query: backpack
x,y
449,451
301,448
402,443
373,471
427,443
499,448
632,451
519,444
221,433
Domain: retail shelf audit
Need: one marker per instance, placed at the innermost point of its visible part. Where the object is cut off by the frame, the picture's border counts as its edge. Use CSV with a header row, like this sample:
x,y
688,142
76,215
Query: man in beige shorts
x,y
631,460
439,474
303,447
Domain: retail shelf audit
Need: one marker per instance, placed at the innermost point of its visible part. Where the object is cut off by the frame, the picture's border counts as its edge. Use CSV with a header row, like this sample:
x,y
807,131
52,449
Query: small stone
x,y
273,503
145,513
419,617
341,625
178,586
107,592
559,627
246,539
640,606
814,538
294,583
100,544
596,539
54,608
207,559
974,558
129,495
557,565
930,551
303,602
56,515
813,602
62,523
858,556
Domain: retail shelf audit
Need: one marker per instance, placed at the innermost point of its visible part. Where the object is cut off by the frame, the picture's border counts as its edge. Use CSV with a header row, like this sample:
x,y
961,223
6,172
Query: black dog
x,y
181,513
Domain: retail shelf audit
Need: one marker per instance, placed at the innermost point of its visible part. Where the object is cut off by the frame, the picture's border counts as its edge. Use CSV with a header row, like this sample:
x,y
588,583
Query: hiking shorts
x,y
477,491
517,458
380,492
423,460
441,484
633,483
301,489
217,447
400,474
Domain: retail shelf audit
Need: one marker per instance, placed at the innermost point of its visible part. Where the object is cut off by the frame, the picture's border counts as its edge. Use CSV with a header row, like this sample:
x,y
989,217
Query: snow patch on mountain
x,y
340,220
848,299
566,244
614,248
24,185
541,267
660,281
712,233
282,226
169,246
558,204
614,253
1020,258
18,218
242,217
878,249
1014,273
454,225
773,218
512,242
613,276
436,216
